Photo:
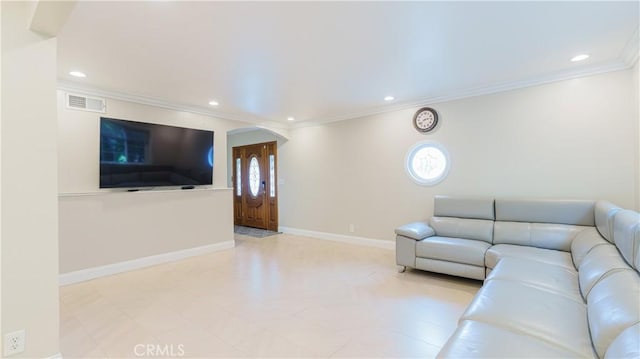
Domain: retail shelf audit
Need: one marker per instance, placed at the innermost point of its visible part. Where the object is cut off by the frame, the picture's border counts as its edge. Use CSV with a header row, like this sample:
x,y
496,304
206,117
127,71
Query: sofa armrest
x,y
415,230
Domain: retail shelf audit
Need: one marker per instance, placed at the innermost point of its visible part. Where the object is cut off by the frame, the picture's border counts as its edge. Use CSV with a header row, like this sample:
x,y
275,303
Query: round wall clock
x,y
425,119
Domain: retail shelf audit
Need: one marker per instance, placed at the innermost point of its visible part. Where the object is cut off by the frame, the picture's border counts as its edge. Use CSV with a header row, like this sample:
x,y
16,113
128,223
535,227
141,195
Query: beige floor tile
x,y
431,333
120,341
316,340
389,343
282,296
75,342
359,350
268,344
233,329
197,344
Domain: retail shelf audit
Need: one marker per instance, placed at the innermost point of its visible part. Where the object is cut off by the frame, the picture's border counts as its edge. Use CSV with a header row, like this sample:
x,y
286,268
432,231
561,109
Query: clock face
x,y
425,119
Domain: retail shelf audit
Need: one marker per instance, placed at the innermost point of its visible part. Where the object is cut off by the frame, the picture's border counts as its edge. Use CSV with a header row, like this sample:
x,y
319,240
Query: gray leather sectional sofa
x,y
560,276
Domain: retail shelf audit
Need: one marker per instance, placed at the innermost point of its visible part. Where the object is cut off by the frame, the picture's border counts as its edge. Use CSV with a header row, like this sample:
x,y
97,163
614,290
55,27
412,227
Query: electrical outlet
x,y
352,228
14,342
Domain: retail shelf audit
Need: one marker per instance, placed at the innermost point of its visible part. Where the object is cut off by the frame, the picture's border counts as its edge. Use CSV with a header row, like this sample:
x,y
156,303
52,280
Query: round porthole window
x,y
427,163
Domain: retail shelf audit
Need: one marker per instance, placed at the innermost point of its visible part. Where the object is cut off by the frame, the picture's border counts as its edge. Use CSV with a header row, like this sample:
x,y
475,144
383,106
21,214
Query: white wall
x,y
570,139
103,229
29,216
99,228
79,137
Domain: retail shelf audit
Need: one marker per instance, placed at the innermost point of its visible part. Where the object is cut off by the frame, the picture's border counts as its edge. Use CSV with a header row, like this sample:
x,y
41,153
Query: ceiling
x,y
327,61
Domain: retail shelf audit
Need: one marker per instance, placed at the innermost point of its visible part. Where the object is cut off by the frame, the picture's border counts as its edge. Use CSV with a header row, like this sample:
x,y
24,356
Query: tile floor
x,y
280,296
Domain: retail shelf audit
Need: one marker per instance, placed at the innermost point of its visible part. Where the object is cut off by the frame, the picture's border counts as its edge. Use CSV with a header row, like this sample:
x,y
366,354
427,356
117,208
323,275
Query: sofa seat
x,y
532,311
555,278
550,256
474,339
458,250
562,276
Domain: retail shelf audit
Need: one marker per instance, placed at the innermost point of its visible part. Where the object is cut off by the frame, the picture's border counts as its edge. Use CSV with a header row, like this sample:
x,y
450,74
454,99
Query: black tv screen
x,y
138,154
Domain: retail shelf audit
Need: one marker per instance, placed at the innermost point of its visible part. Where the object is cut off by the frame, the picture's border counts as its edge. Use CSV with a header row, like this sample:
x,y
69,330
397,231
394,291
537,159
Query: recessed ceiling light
x,y
290,118
579,57
213,103
77,74
389,98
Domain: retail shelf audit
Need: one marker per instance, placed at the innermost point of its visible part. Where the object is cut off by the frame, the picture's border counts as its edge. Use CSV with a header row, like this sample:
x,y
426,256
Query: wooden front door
x,y
255,197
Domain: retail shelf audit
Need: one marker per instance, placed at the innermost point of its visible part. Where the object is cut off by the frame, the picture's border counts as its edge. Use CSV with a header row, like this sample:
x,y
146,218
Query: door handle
x,y
264,185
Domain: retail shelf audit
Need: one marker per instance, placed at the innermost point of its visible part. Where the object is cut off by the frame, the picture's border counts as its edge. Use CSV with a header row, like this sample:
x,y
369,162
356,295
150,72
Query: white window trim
x,y
421,181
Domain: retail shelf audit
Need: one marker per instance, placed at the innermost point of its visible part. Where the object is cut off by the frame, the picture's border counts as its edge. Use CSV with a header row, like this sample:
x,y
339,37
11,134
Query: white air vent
x,y
85,103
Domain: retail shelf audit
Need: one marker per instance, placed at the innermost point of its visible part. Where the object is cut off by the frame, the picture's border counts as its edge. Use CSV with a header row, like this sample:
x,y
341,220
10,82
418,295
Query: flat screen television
x,y
137,154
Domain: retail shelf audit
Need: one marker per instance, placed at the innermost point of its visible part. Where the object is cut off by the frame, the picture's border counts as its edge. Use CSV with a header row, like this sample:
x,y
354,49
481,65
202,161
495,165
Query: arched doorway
x,y
252,169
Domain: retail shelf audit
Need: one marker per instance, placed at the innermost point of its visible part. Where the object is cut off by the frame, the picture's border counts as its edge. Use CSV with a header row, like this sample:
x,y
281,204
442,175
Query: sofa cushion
x,y
459,250
478,208
600,262
533,311
604,212
558,279
479,229
495,253
575,212
626,235
613,306
541,235
415,230
584,242
626,345
474,339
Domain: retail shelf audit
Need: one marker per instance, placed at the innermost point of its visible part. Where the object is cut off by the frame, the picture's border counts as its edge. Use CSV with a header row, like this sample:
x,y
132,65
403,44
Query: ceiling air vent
x,y
85,103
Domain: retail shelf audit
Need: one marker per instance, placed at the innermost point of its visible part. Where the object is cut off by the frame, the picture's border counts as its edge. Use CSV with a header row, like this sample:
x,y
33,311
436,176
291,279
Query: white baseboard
x,y
55,356
109,269
362,241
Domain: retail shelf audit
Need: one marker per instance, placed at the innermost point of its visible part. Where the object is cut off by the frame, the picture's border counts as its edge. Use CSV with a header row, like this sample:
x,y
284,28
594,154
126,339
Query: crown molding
x,y
156,102
627,59
474,92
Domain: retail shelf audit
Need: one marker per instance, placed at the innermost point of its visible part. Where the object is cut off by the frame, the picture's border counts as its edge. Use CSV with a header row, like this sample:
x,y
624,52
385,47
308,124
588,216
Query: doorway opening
x,y
254,178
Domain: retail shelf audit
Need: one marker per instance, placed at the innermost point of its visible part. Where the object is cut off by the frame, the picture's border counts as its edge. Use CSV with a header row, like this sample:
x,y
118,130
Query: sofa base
x,y
451,268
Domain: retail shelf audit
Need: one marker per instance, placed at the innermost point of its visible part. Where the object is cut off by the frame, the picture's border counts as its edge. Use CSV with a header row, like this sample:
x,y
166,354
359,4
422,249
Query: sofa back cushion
x,y
541,235
626,345
478,229
626,235
600,262
574,212
604,212
476,208
612,307
584,242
